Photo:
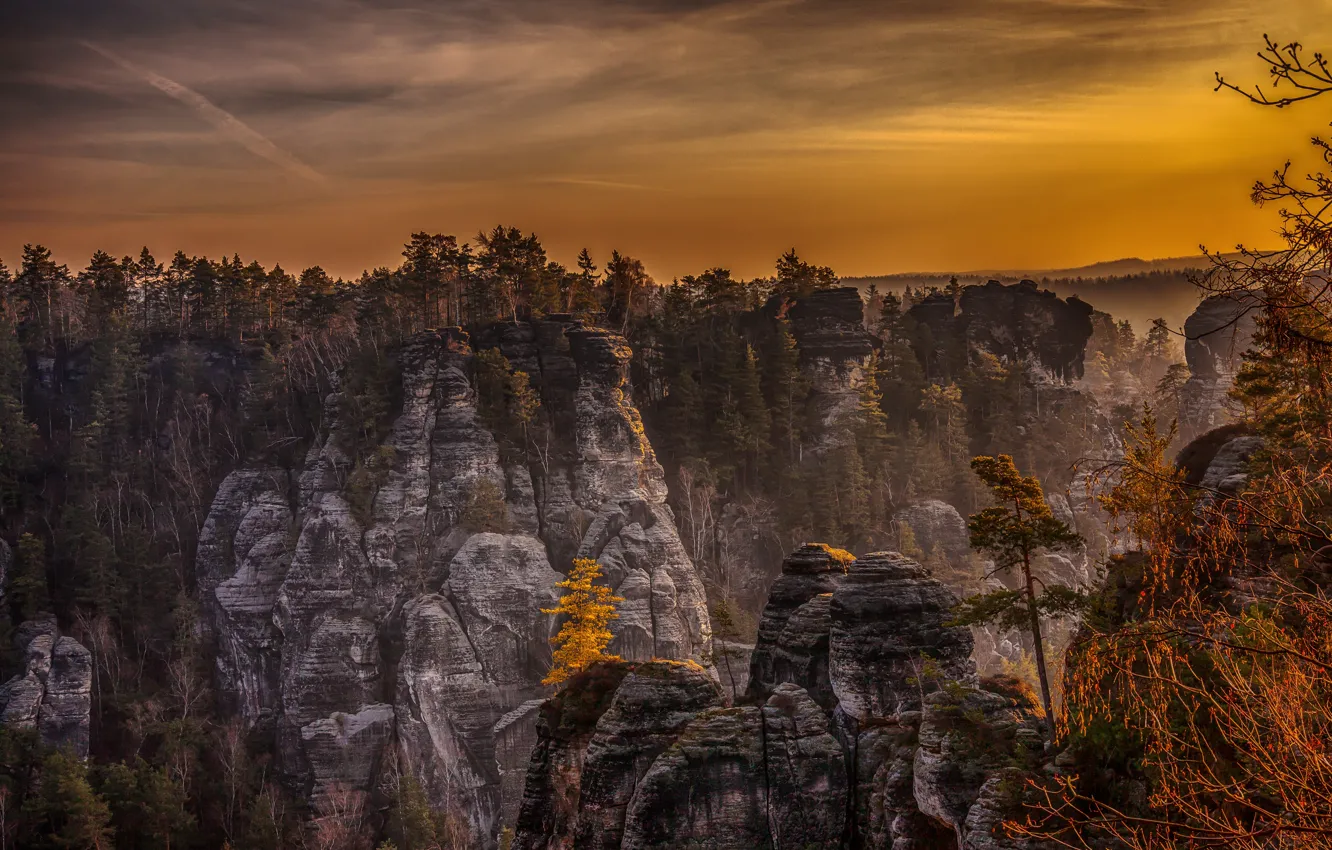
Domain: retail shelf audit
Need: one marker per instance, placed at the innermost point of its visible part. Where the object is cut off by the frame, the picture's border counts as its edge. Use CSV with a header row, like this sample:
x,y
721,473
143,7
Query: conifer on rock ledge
x,y
585,635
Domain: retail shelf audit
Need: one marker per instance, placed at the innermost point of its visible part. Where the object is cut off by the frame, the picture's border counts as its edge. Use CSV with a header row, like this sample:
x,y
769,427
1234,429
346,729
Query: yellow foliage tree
x,y
583,637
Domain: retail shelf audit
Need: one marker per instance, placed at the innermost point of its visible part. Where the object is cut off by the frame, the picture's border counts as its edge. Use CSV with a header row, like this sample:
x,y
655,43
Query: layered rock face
x,y
1216,336
829,328
874,734
885,618
1014,323
667,765
53,694
936,526
364,624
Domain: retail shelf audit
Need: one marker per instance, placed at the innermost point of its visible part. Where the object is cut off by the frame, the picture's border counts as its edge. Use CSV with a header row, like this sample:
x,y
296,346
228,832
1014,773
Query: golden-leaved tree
x,y
585,634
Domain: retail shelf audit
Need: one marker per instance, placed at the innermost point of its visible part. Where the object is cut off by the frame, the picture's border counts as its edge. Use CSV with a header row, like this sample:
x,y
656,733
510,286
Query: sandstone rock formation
x,y
364,624
1216,336
53,694
1015,323
801,599
1229,470
886,617
862,750
828,325
936,525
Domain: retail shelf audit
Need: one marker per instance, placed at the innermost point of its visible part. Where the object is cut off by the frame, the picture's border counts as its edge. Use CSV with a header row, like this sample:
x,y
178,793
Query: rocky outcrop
x,y
828,325
745,777
800,599
243,555
1216,336
887,618
653,704
53,694
966,738
898,755
565,726
1229,470
1015,323
364,621
936,526
666,766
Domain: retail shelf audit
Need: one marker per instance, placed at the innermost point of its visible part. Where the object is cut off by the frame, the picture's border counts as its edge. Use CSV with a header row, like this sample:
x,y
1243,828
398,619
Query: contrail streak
x,y
224,121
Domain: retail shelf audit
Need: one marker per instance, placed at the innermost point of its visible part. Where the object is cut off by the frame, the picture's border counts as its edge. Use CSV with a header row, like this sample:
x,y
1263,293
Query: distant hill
x,y
1132,288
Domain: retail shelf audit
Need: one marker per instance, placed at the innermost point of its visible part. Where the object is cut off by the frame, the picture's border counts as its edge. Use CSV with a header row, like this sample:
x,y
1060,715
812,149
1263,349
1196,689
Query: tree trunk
x,y
1035,619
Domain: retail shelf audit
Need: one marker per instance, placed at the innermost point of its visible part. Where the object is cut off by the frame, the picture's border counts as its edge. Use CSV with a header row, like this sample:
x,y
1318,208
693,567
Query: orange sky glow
x,y
903,135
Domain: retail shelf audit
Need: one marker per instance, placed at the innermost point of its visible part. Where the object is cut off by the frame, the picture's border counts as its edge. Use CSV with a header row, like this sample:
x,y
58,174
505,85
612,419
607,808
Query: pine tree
x,y
506,400
413,825
105,286
583,638
947,416
148,808
786,390
1018,527
38,288
428,260
582,295
797,278
626,284
17,436
65,812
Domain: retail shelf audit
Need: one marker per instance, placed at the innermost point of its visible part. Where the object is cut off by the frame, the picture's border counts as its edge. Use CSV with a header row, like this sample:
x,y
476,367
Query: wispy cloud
x,y
873,134
226,123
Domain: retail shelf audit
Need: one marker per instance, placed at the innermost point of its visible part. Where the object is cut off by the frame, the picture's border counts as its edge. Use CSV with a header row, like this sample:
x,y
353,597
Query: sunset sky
x,y
875,136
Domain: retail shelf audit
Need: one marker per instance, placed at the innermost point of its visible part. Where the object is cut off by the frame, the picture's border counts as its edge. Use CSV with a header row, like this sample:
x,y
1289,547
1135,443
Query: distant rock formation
x,y
363,630
1216,336
846,738
1015,323
829,327
936,525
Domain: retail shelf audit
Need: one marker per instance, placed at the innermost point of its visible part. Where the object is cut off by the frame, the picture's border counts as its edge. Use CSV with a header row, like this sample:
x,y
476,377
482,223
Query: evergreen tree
x,y
510,276
314,301
17,436
38,289
105,287
29,586
413,825
947,418
430,273
627,285
796,278
148,808
65,812
786,389
1019,526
